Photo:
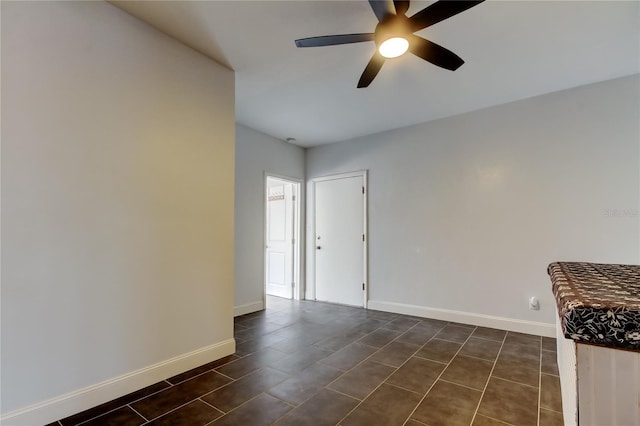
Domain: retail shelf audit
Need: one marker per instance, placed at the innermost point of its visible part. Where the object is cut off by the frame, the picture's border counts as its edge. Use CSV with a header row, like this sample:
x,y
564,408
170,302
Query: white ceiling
x,y
513,50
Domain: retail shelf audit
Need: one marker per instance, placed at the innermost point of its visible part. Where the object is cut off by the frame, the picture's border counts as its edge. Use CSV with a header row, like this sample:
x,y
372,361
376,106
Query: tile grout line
x,y
499,421
343,372
290,404
486,338
235,408
178,407
341,393
224,375
539,382
387,377
553,411
493,367
120,406
475,357
359,343
450,341
364,359
374,389
205,372
238,379
361,362
196,398
540,396
461,385
212,406
439,375
513,381
212,421
403,388
429,359
138,413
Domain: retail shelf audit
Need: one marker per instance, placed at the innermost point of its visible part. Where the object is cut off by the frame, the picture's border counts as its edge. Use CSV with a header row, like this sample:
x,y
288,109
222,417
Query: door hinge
x,y
363,189
362,237
362,286
293,197
293,285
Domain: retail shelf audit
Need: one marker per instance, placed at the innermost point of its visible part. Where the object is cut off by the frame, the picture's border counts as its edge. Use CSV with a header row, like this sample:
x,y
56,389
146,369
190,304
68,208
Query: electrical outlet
x,y
534,304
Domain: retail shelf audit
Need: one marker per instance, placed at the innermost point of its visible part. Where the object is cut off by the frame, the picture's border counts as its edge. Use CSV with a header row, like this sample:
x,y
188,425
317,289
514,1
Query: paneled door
x,y
280,226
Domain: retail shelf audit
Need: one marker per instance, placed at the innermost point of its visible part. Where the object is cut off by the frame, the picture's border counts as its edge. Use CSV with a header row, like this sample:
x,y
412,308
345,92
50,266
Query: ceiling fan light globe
x,y
393,47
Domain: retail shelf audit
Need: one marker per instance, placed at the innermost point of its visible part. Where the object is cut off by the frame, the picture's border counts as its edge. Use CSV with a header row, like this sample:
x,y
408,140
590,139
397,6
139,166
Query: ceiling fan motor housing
x,y
392,26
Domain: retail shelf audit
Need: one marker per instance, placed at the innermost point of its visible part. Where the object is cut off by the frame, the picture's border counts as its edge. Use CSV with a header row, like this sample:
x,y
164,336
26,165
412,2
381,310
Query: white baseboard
x,y
502,323
63,406
248,308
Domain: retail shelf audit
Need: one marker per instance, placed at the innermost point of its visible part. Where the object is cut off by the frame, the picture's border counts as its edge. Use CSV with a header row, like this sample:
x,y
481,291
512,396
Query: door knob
x,y
318,247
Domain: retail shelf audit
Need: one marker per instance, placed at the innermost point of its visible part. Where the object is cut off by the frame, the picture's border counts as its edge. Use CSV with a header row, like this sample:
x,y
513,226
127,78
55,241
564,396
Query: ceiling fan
x,y
394,35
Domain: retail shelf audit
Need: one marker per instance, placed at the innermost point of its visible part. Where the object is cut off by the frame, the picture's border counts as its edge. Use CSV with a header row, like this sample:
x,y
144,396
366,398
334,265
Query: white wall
x,y
257,154
465,213
117,206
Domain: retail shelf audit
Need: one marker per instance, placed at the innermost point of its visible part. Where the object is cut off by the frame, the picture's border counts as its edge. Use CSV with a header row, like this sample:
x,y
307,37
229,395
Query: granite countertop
x,y
598,303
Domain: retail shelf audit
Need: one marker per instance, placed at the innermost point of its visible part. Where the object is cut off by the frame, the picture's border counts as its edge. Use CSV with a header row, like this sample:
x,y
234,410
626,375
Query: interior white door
x,y
339,245
279,256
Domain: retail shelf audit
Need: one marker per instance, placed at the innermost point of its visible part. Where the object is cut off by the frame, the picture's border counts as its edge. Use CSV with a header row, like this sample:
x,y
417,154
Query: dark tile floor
x,y
307,363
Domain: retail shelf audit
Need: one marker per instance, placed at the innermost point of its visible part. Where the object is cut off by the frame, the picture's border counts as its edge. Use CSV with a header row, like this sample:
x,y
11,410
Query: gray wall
x,y
466,212
257,154
117,199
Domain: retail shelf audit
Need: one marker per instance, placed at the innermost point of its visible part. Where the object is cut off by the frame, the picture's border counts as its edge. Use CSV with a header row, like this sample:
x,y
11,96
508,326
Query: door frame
x,y
365,246
298,288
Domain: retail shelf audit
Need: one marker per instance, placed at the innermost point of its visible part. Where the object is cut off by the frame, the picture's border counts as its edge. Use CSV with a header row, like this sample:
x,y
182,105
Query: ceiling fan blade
x,y
440,11
434,53
401,6
381,8
371,70
332,40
